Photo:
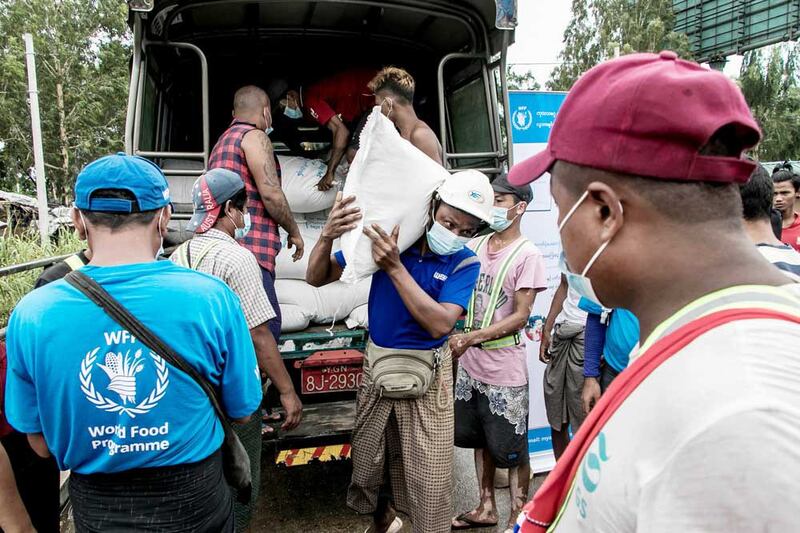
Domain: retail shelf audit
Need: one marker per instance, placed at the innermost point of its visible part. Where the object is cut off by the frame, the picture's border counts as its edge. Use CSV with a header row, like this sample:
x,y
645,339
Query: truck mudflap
x,y
303,456
323,435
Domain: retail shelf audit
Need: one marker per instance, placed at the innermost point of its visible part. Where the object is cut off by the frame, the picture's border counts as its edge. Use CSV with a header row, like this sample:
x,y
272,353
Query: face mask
x,y
500,221
267,120
390,106
580,283
160,236
443,241
240,233
293,112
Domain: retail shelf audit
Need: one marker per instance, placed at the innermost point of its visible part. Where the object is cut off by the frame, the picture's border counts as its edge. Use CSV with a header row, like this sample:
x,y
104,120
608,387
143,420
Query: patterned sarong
x,y
416,437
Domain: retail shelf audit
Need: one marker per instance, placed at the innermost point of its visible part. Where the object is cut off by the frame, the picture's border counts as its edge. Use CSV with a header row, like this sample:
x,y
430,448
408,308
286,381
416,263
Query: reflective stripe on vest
x,y
74,262
494,297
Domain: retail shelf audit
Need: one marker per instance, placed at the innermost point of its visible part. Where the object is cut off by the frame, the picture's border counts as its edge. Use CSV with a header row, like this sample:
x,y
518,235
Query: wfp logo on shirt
x,y
124,369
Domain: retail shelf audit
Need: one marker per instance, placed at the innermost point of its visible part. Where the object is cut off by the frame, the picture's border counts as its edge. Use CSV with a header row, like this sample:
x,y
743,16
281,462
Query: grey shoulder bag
x,y
235,461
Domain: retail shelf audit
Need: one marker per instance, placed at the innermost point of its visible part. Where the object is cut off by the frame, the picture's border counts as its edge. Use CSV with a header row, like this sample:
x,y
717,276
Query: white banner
x,y
532,117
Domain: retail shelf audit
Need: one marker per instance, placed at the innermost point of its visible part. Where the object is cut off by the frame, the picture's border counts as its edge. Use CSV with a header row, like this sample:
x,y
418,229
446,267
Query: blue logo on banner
x,y
533,115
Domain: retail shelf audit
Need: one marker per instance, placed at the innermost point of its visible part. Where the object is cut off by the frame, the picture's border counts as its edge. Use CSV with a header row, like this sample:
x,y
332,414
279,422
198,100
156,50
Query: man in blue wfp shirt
x,y
132,429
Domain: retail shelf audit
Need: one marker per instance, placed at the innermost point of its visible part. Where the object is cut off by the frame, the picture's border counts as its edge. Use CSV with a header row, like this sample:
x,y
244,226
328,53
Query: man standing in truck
x,y
245,149
339,103
394,91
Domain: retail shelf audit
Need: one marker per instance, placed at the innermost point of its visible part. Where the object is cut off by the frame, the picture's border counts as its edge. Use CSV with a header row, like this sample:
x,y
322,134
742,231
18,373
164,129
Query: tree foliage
x,y
524,81
769,81
601,28
82,50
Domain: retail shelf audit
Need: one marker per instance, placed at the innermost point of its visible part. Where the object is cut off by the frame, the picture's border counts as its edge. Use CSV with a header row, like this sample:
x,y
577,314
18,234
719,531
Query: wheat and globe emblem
x,y
123,368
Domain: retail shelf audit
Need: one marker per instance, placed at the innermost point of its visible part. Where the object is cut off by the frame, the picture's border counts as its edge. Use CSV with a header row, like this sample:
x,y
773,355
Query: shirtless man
x,y
394,92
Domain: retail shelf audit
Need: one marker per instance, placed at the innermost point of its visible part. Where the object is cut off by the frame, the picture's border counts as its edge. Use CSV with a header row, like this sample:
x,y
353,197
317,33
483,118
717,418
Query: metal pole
x,y
36,131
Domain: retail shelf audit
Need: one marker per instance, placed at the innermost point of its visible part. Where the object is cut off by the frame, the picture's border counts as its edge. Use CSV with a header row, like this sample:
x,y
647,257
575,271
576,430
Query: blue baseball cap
x,y
209,194
140,176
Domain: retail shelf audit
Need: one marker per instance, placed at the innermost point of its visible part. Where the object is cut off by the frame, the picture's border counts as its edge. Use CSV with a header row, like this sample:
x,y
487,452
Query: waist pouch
x,y
402,374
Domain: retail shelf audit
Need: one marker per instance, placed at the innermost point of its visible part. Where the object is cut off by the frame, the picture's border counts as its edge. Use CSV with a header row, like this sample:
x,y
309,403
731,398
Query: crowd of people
x,y
670,344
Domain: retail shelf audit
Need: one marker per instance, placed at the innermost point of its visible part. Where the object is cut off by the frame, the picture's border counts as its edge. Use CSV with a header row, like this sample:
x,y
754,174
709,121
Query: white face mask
x,y
390,105
580,283
160,251
85,227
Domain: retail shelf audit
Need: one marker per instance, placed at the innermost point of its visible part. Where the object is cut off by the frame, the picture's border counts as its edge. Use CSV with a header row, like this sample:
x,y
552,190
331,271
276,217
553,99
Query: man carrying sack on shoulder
x,y
700,432
404,416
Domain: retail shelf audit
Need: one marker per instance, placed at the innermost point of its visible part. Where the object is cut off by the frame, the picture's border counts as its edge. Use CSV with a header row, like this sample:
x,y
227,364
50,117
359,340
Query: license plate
x,y
337,378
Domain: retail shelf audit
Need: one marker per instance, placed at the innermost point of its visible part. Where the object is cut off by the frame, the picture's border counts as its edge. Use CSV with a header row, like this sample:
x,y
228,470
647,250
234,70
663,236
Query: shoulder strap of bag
x,y
183,254
124,318
543,512
470,318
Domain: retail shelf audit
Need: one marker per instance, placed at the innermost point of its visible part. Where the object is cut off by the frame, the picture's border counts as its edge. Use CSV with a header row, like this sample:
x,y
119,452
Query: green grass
x,y
16,249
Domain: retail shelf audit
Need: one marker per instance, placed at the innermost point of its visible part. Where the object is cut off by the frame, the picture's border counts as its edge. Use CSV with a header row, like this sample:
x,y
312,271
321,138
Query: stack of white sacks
x,y
393,183
301,304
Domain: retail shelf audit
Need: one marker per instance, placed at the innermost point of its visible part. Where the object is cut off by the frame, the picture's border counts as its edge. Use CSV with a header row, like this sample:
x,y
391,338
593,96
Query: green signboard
x,y
719,28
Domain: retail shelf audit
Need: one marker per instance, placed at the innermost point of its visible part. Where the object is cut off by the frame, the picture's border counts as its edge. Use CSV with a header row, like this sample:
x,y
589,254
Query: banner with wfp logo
x,y
532,118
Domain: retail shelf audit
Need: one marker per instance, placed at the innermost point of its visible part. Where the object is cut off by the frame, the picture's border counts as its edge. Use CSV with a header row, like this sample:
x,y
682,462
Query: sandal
x,y
272,416
470,523
395,527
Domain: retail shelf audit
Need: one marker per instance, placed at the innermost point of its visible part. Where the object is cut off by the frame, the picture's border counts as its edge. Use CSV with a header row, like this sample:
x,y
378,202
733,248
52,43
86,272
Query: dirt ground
x,y
312,498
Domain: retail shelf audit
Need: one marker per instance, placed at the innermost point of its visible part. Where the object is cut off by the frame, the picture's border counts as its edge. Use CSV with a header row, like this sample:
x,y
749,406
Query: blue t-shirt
x,y
622,334
104,402
445,278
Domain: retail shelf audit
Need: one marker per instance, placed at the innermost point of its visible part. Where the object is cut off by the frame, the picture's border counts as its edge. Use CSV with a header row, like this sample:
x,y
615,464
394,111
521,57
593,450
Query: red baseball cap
x,y
648,115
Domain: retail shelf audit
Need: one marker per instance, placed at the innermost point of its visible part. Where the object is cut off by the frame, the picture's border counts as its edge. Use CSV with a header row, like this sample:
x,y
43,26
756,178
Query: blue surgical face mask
x,y
267,120
580,283
442,241
293,112
241,233
500,221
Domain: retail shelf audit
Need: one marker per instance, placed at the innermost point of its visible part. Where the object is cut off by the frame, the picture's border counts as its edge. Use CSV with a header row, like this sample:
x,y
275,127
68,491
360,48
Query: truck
x,y
190,56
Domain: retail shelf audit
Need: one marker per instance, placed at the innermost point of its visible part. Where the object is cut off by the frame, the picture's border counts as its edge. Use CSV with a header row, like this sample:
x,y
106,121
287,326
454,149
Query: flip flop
x,y
272,417
470,523
395,527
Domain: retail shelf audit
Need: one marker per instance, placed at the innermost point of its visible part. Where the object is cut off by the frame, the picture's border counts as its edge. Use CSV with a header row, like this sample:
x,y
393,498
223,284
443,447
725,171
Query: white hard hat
x,y
469,191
